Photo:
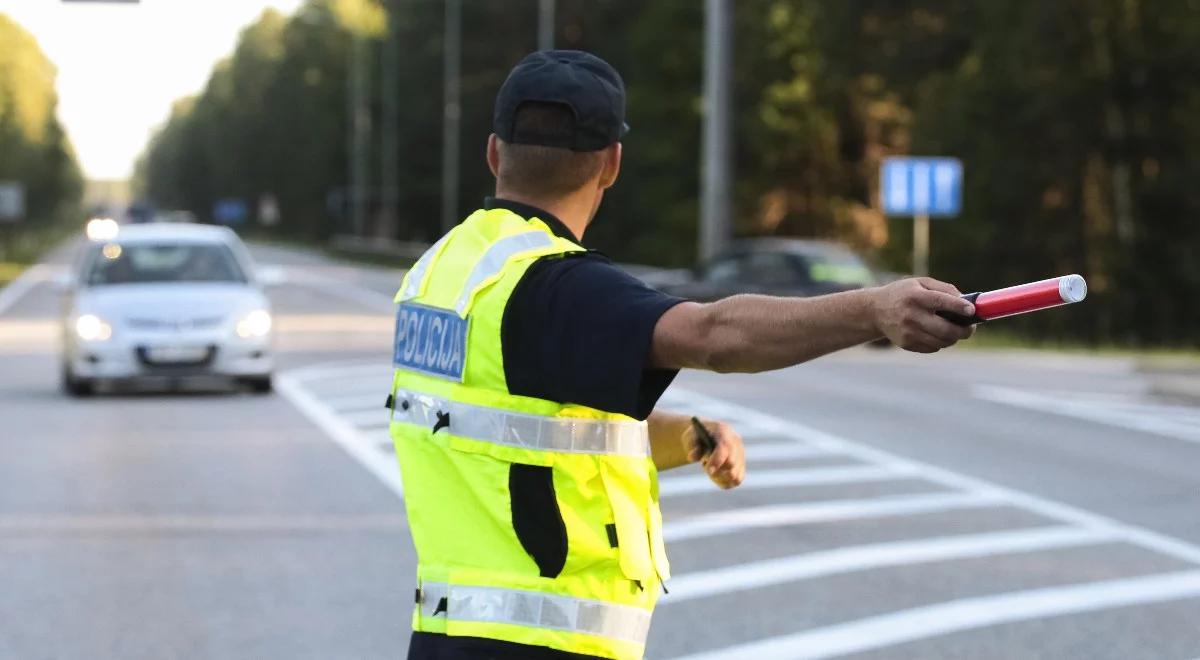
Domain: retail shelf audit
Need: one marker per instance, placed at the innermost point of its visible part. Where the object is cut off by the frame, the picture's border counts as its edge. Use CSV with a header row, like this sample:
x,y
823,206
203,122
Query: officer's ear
x,y
612,165
493,155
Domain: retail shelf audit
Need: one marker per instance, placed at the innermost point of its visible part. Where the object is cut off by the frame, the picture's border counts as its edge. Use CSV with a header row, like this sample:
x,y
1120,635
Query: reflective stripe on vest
x,y
416,275
534,609
493,261
522,430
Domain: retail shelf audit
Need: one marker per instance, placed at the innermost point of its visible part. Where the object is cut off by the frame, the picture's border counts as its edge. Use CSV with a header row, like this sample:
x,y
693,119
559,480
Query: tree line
x,y
34,150
1075,122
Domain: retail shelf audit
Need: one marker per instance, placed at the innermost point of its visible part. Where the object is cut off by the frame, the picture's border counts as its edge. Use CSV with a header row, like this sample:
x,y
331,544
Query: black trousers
x,y
432,646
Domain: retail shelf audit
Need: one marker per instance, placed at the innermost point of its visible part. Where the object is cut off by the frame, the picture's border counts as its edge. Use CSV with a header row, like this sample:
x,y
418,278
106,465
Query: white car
x,y
165,302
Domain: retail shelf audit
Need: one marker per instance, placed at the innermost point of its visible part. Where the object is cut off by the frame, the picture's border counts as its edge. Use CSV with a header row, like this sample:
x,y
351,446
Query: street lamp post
x,y
389,162
545,24
716,170
360,119
451,113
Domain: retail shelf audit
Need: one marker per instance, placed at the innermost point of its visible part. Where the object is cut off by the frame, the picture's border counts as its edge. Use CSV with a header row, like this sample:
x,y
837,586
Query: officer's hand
x,y
726,465
906,313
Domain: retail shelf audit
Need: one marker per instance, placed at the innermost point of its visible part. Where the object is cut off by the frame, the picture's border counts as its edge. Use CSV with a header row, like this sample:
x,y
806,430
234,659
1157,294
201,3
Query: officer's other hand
x,y
726,465
906,313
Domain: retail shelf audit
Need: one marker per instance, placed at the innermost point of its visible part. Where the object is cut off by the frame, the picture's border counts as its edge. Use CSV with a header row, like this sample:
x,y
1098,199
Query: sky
x,y
121,66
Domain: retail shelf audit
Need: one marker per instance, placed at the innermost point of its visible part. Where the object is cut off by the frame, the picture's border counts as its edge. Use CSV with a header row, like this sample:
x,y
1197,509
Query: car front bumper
x,y
175,357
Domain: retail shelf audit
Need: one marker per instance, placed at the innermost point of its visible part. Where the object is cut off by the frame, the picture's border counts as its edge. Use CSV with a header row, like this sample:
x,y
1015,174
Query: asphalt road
x,y
962,505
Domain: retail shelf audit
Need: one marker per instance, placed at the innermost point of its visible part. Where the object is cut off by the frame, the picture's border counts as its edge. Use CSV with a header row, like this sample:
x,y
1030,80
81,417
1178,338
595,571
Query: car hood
x,y
169,302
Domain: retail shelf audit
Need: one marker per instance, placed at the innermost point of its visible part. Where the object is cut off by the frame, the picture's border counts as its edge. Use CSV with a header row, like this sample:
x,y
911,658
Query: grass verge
x,y
23,245
995,339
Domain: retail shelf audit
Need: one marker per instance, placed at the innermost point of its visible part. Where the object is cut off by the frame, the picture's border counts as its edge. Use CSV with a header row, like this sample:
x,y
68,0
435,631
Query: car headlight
x,y
102,229
255,324
90,327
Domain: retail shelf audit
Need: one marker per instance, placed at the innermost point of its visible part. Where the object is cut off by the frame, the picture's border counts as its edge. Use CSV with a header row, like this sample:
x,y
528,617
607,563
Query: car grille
x,y
143,356
174,325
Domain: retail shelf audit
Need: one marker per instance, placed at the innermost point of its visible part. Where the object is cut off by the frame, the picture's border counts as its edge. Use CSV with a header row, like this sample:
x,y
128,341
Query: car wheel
x,y
258,384
76,387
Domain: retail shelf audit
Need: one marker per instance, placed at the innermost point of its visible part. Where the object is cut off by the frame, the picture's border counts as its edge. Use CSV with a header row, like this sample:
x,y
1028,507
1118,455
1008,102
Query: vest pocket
x,y
536,518
627,494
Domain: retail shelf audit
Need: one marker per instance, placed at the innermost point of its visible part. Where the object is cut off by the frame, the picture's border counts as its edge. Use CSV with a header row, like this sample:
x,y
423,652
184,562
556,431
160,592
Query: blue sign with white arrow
x,y
921,186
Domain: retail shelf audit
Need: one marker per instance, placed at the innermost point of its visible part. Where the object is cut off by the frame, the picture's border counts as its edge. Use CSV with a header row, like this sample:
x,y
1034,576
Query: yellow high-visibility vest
x,y
486,471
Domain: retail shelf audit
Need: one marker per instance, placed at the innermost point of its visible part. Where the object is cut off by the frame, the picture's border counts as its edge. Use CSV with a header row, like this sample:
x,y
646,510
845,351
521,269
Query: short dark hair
x,y
545,171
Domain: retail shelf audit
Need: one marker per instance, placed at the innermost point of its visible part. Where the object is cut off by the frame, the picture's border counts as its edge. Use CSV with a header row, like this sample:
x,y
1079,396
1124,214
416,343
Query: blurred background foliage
x,y
1076,121
34,150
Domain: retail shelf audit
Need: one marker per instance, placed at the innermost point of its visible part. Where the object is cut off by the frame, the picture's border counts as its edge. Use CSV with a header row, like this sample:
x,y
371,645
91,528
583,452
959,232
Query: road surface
x,y
968,504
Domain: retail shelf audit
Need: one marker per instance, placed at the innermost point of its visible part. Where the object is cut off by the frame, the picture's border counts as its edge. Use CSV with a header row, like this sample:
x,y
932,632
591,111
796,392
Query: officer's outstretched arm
x,y
673,443
751,333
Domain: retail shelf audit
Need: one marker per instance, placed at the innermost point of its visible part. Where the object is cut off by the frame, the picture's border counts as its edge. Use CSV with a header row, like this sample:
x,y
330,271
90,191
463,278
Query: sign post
x,y
920,261
922,188
12,201
12,211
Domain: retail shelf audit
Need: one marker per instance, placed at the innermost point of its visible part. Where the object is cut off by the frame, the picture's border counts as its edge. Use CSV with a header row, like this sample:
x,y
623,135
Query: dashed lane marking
x,y
965,614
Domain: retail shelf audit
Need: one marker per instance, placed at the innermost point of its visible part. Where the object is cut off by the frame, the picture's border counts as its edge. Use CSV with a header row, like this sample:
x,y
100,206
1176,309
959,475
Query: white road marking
x,y
356,403
965,614
25,336
23,284
346,435
1089,524
375,418
733,521
1055,510
781,451
700,483
878,555
1180,422
882,631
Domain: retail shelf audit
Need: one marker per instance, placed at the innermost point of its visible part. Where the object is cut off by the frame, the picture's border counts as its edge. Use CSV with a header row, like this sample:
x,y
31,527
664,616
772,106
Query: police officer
x,y
527,371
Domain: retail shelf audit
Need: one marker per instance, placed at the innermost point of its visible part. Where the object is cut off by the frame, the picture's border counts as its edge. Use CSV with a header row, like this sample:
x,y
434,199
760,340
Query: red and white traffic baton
x,y
1022,298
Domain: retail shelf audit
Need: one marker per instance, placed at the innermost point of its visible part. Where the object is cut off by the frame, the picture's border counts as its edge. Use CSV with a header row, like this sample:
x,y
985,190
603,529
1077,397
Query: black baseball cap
x,y
584,83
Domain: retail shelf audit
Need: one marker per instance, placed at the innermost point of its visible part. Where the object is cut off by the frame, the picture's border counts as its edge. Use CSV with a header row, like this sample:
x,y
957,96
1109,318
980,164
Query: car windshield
x,y
114,263
838,268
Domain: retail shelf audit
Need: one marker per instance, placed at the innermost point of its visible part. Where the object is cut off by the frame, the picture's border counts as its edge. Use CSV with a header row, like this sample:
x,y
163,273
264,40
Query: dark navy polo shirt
x,y
577,329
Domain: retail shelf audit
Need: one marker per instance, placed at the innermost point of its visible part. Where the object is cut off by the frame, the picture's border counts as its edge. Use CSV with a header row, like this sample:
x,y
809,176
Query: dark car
x,y
775,266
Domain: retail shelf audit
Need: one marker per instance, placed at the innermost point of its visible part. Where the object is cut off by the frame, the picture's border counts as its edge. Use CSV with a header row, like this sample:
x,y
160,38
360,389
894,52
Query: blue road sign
x,y
230,211
916,186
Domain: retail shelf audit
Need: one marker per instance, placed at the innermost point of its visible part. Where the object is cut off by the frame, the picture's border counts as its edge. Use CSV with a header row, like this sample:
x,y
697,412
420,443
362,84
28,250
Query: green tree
x,y
34,149
1075,122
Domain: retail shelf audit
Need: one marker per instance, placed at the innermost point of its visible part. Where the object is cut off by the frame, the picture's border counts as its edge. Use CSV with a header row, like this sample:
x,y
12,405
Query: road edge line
x,y
14,291
341,432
